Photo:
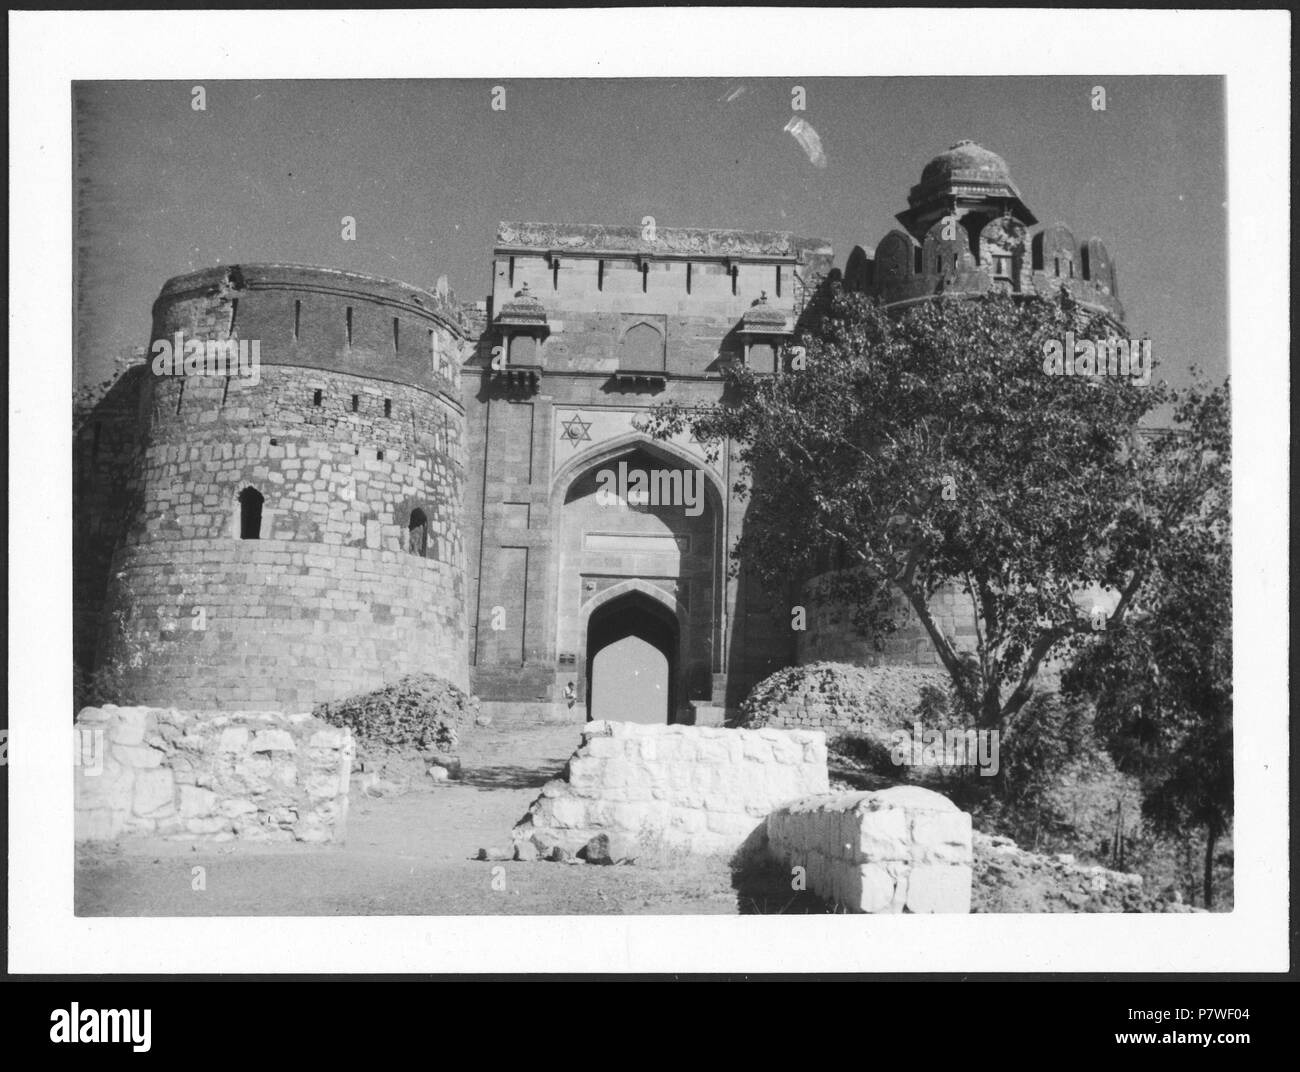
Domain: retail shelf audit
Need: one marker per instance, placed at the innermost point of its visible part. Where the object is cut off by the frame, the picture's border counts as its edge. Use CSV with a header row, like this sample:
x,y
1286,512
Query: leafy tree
x,y
931,448
1162,681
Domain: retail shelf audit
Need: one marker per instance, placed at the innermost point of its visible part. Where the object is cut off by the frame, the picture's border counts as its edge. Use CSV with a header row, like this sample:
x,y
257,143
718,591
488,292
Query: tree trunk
x,y
1211,839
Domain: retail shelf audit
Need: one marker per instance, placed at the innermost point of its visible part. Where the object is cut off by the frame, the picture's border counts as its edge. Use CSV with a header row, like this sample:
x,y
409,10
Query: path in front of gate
x,y
412,855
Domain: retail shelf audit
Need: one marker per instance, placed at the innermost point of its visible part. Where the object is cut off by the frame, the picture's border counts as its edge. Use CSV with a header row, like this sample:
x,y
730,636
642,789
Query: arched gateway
x,y
637,572
586,330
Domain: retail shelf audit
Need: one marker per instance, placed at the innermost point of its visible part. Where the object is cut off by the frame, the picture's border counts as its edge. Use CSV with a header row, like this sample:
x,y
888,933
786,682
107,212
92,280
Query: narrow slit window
x,y
417,534
1087,263
348,317
250,514
395,338
356,403
388,407
297,319
379,455
688,277
234,316
1056,261
316,397
600,275
778,280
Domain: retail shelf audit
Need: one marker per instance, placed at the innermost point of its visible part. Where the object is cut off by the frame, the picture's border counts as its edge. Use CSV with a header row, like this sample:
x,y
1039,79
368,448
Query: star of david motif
x,y
576,430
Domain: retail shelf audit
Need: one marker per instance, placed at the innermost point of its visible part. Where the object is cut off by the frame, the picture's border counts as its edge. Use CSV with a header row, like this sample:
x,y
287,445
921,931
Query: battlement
x,y
227,279
698,243
321,318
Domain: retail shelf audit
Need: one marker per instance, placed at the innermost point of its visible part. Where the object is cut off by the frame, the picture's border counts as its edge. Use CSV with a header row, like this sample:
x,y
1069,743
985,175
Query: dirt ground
x,y
413,855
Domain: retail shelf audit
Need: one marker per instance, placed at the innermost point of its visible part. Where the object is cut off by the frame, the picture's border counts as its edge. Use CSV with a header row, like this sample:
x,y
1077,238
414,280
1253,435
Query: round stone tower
x,y
294,532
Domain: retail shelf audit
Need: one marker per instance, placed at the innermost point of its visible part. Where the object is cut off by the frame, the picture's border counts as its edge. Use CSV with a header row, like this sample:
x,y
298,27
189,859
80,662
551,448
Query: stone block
x,y
137,756
154,792
939,888
330,738
603,747
941,828
272,741
196,803
234,739
568,812
129,728
883,834
111,788
877,886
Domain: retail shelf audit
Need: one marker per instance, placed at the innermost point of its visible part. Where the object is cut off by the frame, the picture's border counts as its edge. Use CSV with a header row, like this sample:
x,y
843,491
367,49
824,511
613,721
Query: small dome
x,y
970,161
762,316
524,309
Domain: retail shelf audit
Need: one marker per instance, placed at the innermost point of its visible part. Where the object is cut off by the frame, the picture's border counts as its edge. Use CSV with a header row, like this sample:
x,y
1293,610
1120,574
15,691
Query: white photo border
x,y
49,51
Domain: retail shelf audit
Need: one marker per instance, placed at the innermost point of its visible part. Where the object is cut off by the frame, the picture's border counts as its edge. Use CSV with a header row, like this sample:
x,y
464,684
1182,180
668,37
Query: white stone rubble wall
x,y
694,788
904,849
261,776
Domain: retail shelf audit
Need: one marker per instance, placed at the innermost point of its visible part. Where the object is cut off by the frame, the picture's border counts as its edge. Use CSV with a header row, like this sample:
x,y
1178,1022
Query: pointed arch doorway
x,y
632,661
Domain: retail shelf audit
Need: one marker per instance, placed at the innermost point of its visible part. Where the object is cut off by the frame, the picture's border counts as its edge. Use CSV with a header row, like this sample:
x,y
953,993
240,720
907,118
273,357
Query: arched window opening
x,y
417,534
250,514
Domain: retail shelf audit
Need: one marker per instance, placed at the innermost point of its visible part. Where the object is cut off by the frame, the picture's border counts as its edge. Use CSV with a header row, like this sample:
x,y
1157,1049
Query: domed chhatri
x,y
761,316
966,159
966,230
524,310
966,176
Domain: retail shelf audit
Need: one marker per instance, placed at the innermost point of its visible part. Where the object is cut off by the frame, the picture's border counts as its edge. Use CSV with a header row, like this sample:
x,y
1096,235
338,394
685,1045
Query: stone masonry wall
x,y
333,598
830,635
701,789
104,456
185,775
904,849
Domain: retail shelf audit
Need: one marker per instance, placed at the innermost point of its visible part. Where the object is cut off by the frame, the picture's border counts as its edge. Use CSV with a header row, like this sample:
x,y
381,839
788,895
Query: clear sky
x,y
428,168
